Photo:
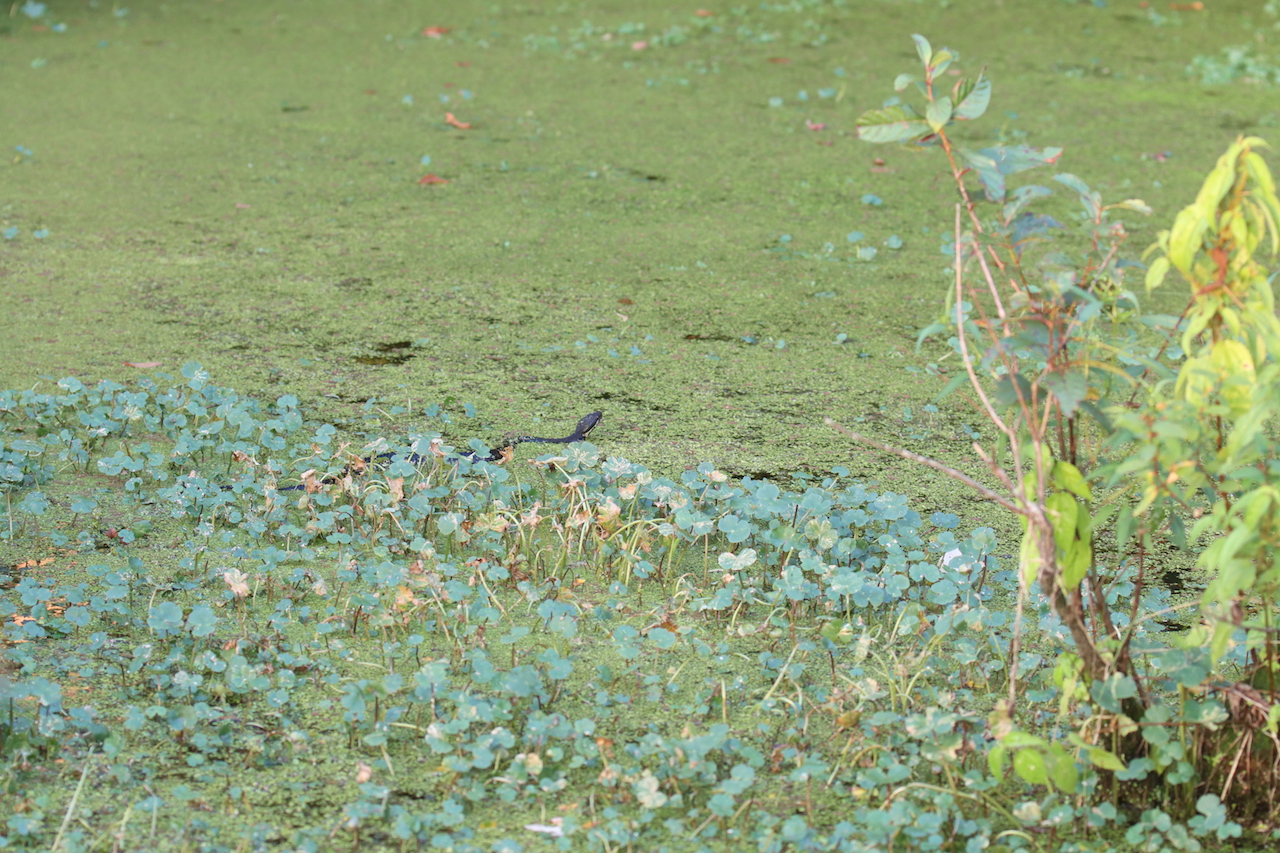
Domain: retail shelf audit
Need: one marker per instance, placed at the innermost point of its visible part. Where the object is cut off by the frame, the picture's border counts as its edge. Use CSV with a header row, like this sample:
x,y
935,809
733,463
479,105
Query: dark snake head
x,y
586,425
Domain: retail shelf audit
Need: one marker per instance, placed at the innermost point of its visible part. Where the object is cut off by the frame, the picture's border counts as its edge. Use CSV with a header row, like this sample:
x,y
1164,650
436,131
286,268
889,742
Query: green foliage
x,y
1210,432
1236,62
1065,354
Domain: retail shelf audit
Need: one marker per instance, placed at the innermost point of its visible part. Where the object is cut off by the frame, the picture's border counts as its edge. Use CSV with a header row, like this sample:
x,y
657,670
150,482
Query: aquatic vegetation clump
x,y
1242,62
239,591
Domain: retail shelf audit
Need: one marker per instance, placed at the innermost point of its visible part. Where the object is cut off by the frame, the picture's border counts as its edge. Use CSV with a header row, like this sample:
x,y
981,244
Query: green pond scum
x,y
247,246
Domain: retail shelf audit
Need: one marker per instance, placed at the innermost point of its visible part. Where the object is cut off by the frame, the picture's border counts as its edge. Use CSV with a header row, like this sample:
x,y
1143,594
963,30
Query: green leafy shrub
x,y
1118,427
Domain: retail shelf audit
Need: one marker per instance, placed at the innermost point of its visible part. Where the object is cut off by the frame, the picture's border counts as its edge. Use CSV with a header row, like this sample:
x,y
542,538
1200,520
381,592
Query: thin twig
x,y
991,282
992,415
990,495
996,470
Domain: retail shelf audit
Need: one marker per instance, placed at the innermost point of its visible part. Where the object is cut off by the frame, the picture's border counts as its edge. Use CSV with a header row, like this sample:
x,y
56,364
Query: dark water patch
x,y
716,337
633,400
388,354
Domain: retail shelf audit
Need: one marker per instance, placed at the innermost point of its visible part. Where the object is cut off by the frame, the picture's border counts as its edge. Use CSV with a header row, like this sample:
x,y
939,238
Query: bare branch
x,y
974,382
995,469
990,495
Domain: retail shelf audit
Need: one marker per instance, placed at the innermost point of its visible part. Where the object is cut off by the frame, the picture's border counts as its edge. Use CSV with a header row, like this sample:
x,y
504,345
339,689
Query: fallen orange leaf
x,y
145,365
452,120
34,564
434,32
432,179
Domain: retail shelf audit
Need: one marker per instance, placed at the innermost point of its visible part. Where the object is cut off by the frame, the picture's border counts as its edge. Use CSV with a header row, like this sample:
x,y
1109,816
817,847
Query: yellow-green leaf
x,y
1029,764
938,113
1218,183
1062,770
1156,272
1221,638
995,761
1195,380
1235,371
1062,510
1068,477
1185,237
1075,565
1137,205
1105,759
1029,556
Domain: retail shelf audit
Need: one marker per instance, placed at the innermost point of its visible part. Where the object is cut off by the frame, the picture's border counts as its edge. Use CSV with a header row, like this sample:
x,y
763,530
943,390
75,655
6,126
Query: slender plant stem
x,y
925,460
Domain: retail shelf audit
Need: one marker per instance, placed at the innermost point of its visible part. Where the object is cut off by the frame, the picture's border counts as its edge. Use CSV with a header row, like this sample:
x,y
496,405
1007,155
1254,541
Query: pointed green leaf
x,y
1105,759
1017,739
1029,556
1217,184
992,164
1075,564
1062,509
902,81
976,159
1125,524
1137,205
1062,770
1068,389
923,49
995,761
1186,236
1090,199
940,61
1155,274
1071,182
1021,197
892,124
1103,516
938,113
1011,159
1068,477
972,98
952,384
1221,639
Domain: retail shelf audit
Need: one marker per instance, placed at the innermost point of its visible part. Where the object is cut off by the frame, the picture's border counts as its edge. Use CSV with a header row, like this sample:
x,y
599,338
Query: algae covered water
x,y
540,210
374,213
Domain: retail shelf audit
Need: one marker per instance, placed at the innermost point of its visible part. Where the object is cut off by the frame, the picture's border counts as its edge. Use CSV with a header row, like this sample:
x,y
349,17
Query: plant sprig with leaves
x,y
1199,441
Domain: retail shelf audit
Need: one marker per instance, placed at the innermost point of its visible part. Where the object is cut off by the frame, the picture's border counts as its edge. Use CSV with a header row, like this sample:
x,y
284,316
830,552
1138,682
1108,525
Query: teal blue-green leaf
x,y
972,99
923,49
